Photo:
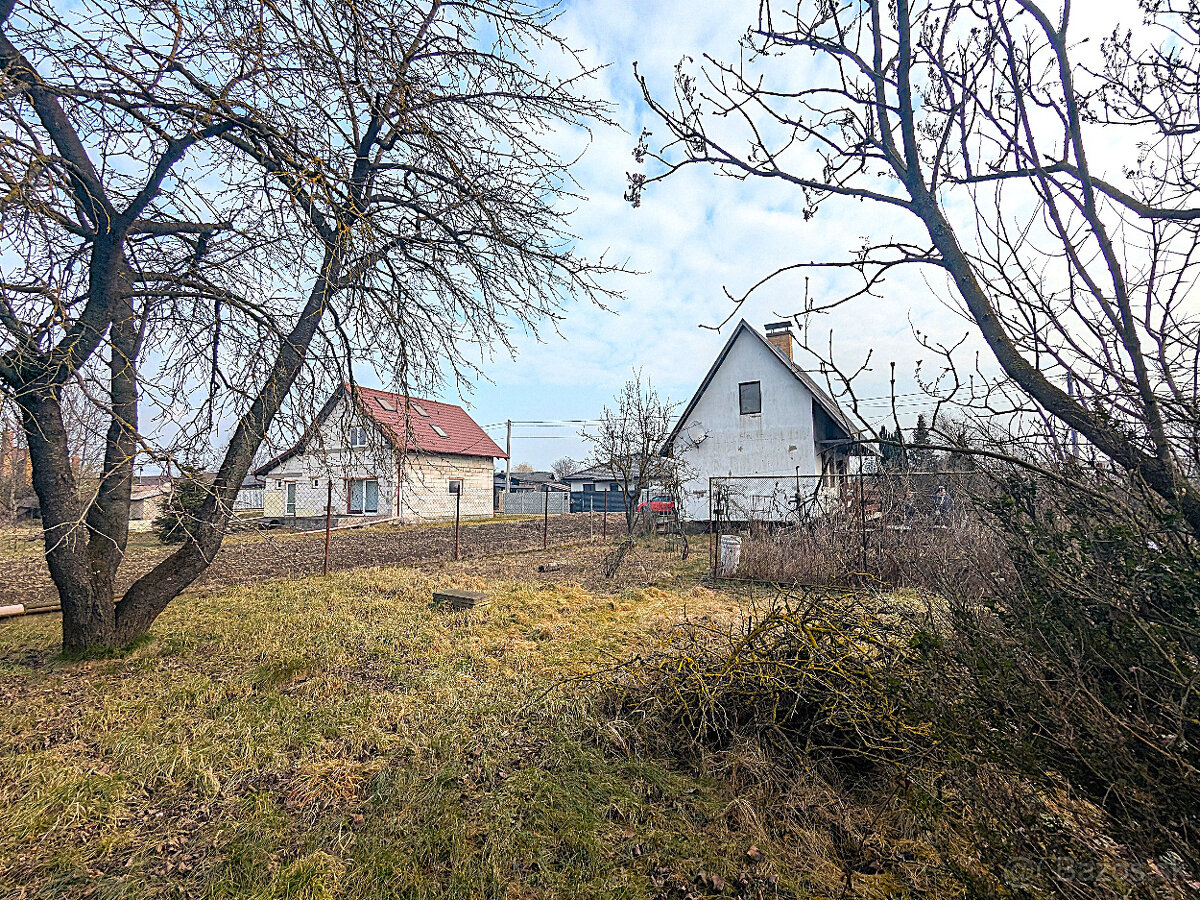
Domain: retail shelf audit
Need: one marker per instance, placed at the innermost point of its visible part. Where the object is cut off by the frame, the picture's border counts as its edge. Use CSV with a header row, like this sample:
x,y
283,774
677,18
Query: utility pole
x,y
508,456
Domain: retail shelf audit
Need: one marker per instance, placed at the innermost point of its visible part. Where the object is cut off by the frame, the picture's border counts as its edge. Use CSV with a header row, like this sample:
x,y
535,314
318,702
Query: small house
x,y
757,415
146,499
597,488
372,454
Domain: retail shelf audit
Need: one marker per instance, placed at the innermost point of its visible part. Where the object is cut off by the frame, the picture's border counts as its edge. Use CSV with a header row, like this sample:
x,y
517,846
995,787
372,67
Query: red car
x,y
659,504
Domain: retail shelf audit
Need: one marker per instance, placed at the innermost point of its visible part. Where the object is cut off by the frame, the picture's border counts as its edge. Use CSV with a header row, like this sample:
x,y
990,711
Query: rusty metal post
x,y
457,507
712,559
546,517
328,516
862,519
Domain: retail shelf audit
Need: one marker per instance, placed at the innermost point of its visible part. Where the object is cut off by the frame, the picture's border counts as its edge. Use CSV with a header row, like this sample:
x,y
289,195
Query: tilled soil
x,y
267,555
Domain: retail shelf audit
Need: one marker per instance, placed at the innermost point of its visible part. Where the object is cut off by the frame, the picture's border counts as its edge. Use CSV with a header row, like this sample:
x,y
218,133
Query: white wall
x,y
425,487
773,442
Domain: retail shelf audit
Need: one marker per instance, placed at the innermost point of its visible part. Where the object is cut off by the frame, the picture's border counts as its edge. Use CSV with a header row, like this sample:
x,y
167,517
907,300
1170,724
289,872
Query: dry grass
x,y
339,738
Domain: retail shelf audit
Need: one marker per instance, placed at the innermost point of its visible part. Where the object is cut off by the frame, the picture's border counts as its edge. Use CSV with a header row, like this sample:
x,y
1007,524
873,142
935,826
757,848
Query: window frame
x,y
454,486
742,385
355,432
350,510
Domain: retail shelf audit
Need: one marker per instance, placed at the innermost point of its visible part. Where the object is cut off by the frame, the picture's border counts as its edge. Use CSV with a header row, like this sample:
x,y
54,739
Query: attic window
x,y
437,429
358,436
385,403
750,397
420,410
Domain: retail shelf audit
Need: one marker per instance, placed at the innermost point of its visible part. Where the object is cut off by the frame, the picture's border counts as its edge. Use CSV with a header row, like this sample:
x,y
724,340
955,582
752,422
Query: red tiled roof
x,y
462,436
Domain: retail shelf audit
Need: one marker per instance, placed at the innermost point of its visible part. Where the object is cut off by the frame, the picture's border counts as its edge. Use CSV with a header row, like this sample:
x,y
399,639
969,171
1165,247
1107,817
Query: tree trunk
x,y
89,617
149,595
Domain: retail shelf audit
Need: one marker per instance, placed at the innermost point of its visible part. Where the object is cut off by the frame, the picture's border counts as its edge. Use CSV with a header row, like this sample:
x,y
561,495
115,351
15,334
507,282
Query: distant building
x,y
597,488
376,454
522,483
758,413
250,495
146,499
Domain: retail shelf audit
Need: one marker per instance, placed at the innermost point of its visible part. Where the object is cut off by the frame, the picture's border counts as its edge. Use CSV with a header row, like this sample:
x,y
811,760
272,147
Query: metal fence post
x,y
328,516
457,507
546,517
862,520
604,534
712,559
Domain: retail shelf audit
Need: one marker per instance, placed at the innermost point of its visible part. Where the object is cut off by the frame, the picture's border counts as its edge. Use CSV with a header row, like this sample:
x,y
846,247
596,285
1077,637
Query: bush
x,y
1084,669
177,521
1040,735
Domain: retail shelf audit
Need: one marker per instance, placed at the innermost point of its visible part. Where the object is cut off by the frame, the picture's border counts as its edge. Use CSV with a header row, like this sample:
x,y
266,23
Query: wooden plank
x,y
457,599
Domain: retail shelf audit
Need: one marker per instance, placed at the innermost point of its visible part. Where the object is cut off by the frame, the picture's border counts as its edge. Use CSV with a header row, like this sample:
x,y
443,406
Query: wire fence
x,y
892,528
312,529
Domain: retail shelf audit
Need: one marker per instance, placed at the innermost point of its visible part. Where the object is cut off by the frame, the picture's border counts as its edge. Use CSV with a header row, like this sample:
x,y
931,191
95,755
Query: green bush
x,y
176,522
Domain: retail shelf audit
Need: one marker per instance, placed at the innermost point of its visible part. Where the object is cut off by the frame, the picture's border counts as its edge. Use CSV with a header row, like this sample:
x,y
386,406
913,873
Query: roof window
x,y
437,429
419,410
386,403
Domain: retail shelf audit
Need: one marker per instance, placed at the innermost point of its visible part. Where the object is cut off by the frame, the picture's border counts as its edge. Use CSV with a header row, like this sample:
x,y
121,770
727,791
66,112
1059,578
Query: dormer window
x,y
358,436
750,397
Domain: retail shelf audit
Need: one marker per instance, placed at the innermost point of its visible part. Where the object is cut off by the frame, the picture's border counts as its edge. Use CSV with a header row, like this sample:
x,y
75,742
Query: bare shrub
x,y
1084,668
885,530
893,724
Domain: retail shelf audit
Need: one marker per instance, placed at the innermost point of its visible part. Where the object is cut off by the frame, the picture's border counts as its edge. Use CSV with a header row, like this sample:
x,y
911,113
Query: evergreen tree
x,y
891,450
923,460
180,514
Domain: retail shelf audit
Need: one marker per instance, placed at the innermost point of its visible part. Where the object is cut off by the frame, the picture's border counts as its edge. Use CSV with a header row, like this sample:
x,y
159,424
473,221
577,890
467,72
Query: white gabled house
x,y
373,454
757,413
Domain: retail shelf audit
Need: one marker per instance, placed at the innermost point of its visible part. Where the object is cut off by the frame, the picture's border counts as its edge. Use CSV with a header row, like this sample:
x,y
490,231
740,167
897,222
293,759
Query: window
x,y
589,486
418,409
456,485
750,397
358,436
437,429
316,483
614,487
362,495
385,403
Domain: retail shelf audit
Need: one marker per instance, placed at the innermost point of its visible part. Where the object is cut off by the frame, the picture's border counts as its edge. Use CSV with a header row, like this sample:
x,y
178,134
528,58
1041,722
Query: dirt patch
x,y
259,557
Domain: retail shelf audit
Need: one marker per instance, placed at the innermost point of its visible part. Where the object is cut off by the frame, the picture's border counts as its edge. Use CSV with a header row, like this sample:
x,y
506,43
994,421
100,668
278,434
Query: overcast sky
x,y
693,235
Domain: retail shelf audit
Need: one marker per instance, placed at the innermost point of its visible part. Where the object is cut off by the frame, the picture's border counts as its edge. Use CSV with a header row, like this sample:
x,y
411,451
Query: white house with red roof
x,y
373,454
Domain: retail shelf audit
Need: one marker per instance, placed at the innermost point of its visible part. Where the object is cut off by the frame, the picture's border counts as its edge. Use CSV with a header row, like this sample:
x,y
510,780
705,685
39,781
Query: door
x,y
290,507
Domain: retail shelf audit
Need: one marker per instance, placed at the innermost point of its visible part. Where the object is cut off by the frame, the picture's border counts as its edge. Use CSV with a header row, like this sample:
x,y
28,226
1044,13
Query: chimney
x,y
779,336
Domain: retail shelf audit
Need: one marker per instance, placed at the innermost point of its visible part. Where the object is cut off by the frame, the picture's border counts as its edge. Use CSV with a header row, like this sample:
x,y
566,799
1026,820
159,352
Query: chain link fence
x,y
892,528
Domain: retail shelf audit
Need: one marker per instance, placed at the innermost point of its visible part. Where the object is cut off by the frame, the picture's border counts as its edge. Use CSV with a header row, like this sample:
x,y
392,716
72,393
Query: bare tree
x,y
217,204
990,126
564,466
628,439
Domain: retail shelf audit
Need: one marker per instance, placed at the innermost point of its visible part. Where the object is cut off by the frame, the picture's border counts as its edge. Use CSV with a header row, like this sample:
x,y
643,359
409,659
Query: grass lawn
x,y
339,738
